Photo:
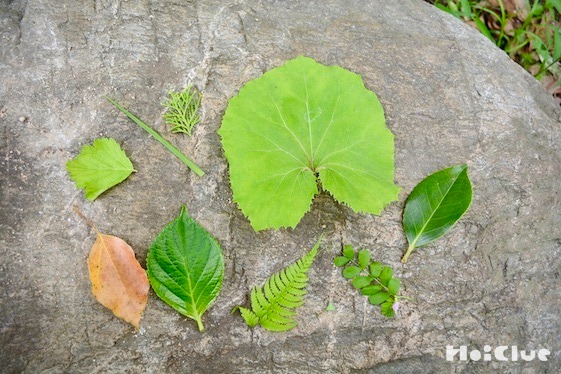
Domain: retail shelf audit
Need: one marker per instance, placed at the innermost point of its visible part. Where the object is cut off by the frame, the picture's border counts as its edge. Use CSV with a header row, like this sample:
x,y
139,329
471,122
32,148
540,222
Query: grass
x,y
529,31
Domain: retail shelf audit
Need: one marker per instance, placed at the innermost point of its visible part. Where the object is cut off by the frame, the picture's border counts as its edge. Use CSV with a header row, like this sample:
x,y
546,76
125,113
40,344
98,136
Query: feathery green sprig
x,y
183,109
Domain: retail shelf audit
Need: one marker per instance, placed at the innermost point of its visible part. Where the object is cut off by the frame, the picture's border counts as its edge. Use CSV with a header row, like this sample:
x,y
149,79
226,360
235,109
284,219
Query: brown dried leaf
x,y
118,281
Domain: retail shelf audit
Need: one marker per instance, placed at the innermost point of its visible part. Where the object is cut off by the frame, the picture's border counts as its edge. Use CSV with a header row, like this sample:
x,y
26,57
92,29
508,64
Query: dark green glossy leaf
x,y
378,298
360,282
351,272
386,275
349,252
371,290
363,258
393,286
435,205
341,261
185,267
375,269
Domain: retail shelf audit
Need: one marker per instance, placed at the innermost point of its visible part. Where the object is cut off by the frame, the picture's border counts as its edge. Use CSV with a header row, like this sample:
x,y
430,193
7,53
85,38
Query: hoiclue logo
x,y
500,353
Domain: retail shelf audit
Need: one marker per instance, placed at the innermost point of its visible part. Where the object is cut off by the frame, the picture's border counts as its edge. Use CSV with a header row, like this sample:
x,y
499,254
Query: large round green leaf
x,y
300,124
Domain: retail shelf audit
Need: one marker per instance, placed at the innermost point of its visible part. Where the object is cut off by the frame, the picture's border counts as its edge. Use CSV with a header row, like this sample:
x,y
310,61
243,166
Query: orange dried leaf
x,y
118,281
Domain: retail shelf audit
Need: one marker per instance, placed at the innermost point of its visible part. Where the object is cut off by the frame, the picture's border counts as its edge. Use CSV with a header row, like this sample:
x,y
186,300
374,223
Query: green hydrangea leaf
x,y
300,124
435,205
185,267
99,167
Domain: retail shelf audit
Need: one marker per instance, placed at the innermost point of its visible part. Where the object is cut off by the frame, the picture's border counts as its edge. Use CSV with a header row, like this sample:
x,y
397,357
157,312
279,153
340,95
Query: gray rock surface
x,y
450,97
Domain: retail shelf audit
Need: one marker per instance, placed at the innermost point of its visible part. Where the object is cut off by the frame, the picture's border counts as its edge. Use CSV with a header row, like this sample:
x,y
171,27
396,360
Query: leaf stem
x,y
200,324
90,223
409,251
159,138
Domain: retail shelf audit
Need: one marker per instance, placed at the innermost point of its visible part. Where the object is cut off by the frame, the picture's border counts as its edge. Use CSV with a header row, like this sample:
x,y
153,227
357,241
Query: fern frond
x,y
273,305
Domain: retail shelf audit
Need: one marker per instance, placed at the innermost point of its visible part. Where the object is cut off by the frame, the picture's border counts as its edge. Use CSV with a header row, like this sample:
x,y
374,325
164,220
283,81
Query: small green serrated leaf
x,y
341,261
185,267
273,304
386,275
363,258
435,205
99,167
371,290
360,282
349,252
351,271
375,269
378,298
330,307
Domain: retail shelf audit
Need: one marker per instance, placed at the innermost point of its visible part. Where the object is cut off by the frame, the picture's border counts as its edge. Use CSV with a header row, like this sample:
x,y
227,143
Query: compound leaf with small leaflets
x,y
372,279
273,305
99,167
186,267
435,205
300,125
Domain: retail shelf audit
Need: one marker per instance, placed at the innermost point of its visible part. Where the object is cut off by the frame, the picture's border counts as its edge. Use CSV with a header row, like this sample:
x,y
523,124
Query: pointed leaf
x,y
118,281
300,122
435,205
99,167
351,271
185,267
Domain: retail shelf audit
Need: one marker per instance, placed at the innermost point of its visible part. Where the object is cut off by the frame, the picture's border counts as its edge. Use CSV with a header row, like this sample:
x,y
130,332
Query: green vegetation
x,y
186,267
529,31
373,279
273,306
183,110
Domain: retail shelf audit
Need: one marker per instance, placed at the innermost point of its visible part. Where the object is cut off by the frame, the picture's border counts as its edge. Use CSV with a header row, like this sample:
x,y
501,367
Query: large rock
x,y
450,97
